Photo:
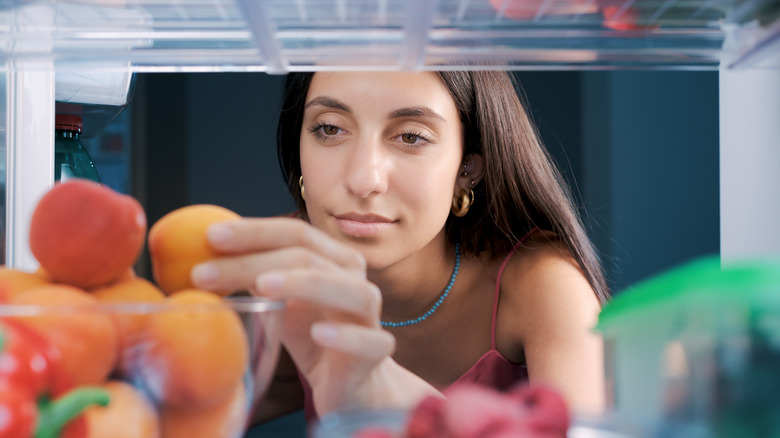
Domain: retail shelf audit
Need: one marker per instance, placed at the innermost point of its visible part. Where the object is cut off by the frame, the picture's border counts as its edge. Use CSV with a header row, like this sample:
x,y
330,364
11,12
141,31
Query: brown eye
x,y
330,130
409,138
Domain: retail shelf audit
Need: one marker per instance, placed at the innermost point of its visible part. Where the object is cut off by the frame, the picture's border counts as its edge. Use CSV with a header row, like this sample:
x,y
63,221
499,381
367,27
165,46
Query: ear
x,y
470,173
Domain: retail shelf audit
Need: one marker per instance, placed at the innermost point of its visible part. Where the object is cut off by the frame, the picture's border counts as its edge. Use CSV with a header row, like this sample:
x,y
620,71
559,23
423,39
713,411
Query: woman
x,y
437,245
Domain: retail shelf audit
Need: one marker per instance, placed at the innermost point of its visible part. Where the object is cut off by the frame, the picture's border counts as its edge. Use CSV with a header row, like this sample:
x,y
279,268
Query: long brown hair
x,y
521,188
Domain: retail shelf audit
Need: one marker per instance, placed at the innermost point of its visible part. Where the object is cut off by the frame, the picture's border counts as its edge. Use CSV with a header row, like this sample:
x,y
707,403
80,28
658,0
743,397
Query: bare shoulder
x,y
545,288
546,315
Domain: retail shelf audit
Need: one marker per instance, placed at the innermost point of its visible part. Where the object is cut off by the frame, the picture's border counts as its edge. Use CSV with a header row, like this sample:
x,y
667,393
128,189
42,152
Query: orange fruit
x,y
177,242
86,339
85,234
130,325
225,419
14,282
129,414
195,353
133,290
129,274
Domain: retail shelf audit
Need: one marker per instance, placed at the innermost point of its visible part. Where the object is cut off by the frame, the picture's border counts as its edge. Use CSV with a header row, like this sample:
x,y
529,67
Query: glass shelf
x,y
285,35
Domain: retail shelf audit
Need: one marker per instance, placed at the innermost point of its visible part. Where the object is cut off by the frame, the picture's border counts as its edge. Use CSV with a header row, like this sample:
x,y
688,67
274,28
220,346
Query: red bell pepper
x,y
18,412
35,398
56,417
32,361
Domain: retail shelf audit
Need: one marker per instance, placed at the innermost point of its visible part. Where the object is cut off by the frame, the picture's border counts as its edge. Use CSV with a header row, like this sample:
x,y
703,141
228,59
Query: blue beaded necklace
x,y
438,302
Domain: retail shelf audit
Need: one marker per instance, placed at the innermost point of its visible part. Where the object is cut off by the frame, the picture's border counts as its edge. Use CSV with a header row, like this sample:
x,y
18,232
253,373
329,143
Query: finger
x,y
331,289
267,234
367,343
239,272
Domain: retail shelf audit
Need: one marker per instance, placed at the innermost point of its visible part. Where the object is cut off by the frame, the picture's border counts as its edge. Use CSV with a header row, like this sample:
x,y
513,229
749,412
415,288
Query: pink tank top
x,y
492,369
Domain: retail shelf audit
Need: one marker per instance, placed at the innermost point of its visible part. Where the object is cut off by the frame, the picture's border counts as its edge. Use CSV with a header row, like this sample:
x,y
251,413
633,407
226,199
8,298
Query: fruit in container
x,y
14,282
119,339
134,290
85,234
164,393
19,411
29,360
129,414
130,326
474,411
177,242
224,419
44,417
192,357
35,397
196,379
87,341
129,274
546,411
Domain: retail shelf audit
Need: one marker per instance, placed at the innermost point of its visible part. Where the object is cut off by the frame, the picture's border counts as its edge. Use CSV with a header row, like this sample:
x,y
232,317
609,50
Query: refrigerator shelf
x,y
284,35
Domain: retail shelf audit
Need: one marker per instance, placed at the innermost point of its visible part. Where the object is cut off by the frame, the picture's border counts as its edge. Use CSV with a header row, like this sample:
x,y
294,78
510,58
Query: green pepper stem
x,y
55,414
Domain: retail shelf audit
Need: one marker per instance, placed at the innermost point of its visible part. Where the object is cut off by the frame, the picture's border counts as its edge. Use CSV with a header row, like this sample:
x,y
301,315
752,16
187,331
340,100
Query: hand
x,y
331,327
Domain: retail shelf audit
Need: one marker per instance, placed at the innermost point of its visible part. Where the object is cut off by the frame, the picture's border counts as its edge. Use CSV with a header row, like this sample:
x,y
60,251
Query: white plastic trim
x,y
30,131
30,153
749,163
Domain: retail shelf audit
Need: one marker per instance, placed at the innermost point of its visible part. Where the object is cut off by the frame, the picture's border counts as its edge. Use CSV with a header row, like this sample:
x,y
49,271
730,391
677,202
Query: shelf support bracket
x,y
418,26
263,35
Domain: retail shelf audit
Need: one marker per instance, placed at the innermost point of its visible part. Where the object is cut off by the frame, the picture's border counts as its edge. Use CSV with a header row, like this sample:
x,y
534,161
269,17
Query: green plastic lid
x,y
745,282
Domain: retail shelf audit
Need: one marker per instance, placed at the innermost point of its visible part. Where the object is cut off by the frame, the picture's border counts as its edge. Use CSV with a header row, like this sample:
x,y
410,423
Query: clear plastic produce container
x,y
695,351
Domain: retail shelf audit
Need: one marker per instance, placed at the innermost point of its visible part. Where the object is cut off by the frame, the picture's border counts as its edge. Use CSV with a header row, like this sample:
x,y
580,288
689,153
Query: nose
x,y
367,169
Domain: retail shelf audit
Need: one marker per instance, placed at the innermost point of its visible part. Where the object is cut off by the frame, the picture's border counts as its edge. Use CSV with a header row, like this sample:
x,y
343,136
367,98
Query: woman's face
x,y
380,154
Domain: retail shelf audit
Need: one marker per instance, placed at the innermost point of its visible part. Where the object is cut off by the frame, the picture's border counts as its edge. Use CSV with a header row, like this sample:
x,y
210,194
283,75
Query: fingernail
x,y
204,273
323,332
219,233
270,283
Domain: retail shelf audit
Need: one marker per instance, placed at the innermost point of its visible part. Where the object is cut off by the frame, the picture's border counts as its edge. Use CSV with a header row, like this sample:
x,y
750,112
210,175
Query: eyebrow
x,y
416,111
328,102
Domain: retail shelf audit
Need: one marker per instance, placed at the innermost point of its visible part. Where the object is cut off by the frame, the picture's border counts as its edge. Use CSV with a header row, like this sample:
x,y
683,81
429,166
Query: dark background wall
x,y
639,148
650,173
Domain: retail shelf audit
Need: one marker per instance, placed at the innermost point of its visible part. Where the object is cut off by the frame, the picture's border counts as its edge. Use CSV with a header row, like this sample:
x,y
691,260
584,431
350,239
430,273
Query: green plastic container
x,y
695,351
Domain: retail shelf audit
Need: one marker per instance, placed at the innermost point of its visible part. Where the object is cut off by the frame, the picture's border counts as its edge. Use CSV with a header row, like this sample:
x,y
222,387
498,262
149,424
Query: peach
x,y
195,353
177,242
14,282
86,235
86,339
132,290
226,418
131,325
129,414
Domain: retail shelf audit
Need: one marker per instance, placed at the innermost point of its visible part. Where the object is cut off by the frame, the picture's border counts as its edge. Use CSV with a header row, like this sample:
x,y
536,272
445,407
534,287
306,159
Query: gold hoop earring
x,y
462,203
303,191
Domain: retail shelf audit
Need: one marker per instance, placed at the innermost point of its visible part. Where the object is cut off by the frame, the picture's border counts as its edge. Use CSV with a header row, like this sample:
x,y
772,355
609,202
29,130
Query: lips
x,y
362,225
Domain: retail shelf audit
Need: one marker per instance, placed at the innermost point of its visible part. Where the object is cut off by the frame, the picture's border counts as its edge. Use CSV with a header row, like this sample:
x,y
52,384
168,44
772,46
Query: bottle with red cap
x,y
71,159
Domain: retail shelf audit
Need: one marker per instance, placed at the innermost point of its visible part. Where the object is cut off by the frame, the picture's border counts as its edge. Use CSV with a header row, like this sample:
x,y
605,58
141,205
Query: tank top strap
x,y
498,287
